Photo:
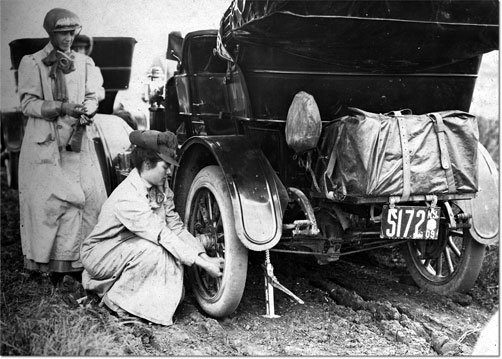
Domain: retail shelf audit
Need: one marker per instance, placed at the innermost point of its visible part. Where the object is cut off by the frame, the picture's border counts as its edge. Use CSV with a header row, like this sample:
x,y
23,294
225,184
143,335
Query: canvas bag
x,y
374,155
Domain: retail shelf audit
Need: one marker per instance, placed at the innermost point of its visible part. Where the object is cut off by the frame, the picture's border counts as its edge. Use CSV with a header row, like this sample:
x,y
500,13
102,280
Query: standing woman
x,y
61,189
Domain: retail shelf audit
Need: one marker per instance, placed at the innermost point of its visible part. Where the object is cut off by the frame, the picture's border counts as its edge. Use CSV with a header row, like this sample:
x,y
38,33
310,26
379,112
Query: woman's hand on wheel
x,y
212,265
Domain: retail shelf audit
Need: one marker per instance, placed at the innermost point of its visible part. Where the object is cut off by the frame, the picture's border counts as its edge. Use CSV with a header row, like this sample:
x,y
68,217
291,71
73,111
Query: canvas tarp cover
x,y
374,36
369,155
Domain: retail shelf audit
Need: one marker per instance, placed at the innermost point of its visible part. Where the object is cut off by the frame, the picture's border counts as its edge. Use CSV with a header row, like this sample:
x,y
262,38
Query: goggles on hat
x,y
66,24
57,20
75,28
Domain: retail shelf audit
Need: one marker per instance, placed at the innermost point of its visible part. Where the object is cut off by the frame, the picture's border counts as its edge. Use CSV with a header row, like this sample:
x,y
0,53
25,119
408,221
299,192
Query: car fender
x,y
258,196
110,135
12,125
485,206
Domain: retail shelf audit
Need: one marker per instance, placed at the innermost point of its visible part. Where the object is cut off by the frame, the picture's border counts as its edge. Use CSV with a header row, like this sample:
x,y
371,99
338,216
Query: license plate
x,y
410,222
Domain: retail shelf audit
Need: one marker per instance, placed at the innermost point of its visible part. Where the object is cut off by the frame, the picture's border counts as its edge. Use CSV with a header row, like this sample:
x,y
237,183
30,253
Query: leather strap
x,y
439,126
405,150
329,171
327,174
331,163
76,138
308,166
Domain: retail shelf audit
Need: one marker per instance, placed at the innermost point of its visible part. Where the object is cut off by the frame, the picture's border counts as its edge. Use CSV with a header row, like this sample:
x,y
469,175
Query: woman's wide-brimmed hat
x,y
164,143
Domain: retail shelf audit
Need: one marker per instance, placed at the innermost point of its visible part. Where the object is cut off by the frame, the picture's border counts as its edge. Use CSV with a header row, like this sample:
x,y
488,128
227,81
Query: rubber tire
x,y
464,275
233,281
12,170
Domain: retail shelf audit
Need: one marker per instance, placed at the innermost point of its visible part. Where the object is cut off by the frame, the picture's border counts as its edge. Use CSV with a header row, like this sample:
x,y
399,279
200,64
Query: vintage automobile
x,y
113,55
242,182
335,172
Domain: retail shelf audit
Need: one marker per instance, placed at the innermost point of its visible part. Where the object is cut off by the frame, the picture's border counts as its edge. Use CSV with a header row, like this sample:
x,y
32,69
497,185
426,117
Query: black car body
x,y
242,185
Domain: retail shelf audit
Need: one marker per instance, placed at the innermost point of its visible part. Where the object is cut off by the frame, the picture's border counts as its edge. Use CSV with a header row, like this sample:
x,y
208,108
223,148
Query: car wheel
x,y
450,264
209,211
11,169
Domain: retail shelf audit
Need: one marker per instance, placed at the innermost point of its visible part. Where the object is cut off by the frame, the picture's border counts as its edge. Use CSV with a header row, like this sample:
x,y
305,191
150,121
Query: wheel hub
x,y
433,249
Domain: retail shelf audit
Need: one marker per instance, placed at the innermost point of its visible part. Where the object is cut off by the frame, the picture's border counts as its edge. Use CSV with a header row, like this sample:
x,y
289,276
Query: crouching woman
x,y
134,257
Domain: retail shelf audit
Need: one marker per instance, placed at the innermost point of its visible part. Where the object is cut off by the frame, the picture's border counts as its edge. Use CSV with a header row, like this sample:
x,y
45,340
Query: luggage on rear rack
x,y
375,155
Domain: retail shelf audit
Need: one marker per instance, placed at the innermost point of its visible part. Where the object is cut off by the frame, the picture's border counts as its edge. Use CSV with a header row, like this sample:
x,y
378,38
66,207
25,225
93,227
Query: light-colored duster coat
x,y
60,192
134,257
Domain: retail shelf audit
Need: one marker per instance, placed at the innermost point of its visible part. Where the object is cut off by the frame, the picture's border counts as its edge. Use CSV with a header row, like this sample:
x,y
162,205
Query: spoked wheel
x,y
209,211
450,264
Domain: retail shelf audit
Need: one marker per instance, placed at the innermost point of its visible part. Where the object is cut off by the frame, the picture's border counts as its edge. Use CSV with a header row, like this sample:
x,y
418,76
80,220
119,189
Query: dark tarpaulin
x,y
374,167
395,35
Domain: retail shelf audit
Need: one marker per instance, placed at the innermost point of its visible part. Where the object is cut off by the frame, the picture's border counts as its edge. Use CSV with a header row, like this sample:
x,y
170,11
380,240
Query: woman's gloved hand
x,y
73,109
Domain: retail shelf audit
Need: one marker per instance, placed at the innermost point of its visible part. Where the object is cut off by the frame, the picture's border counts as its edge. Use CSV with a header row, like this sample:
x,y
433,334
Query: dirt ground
x,y
360,306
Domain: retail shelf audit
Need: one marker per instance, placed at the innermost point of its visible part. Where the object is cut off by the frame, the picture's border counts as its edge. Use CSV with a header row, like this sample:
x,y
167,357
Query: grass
x,y
38,320
487,286
45,327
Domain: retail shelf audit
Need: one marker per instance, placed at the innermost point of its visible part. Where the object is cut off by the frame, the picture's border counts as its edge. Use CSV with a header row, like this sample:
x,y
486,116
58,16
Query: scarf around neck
x,y
61,64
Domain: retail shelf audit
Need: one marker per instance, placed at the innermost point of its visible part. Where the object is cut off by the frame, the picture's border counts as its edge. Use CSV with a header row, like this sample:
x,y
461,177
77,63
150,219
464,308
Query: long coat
x,y
60,192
